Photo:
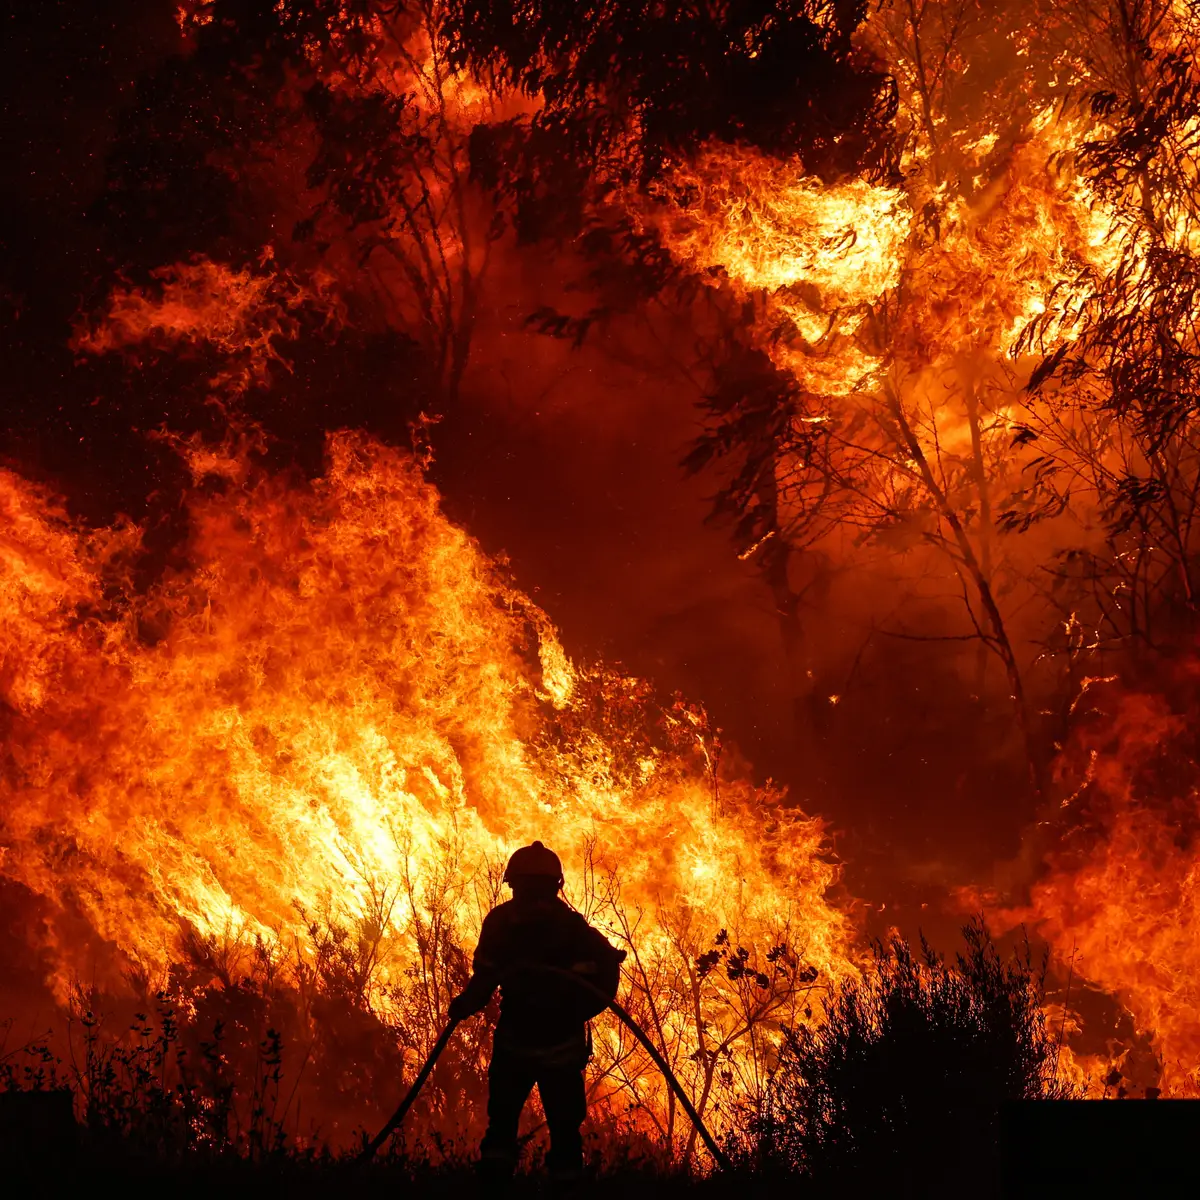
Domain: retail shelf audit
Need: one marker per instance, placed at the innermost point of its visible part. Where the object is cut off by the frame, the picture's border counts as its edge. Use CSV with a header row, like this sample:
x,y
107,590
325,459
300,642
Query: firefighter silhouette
x,y
542,1036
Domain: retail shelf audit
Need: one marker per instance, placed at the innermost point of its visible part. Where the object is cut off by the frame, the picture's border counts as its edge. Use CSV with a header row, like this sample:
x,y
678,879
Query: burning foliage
x,y
935,269
1119,900
311,746
918,1054
242,315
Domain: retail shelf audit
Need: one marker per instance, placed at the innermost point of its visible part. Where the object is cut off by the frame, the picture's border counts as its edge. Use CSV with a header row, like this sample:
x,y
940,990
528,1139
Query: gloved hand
x,y
460,1008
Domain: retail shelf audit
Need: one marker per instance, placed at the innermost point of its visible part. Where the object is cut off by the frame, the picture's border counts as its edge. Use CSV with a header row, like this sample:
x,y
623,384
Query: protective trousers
x,y
511,1078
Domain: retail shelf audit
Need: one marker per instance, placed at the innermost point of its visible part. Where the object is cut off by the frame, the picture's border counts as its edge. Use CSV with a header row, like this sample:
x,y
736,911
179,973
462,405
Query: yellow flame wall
x,y
336,699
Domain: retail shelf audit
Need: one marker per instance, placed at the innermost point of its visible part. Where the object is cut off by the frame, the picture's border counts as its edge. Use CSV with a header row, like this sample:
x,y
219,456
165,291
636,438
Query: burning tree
x,y
887,433
338,136
1114,413
939,264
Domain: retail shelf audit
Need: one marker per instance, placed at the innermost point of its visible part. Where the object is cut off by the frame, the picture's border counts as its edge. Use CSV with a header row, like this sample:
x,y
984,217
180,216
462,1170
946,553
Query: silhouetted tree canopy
x,y
919,1053
622,88
203,122
779,75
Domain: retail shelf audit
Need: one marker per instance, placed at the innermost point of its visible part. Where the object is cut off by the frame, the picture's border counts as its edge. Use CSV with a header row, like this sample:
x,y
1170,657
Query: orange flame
x,y
342,706
1125,905
822,255
241,314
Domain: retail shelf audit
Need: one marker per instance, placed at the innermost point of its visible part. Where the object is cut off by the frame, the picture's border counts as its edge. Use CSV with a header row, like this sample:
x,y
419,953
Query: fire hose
x,y
719,1156
407,1103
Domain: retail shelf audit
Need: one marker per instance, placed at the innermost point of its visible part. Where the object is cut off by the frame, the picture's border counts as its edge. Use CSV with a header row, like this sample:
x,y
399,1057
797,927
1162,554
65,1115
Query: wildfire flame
x,y
242,314
821,254
335,706
1122,899
890,305
341,706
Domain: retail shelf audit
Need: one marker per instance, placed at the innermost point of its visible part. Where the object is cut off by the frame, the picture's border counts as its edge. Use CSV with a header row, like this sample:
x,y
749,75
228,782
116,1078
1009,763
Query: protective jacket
x,y
541,1012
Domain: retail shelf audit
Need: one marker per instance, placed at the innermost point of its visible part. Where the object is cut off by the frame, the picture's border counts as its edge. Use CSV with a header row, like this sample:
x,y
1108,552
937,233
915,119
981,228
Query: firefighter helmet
x,y
535,860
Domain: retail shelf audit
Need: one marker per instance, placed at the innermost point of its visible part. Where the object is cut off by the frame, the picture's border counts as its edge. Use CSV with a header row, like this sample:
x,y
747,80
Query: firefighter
x,y
542,1036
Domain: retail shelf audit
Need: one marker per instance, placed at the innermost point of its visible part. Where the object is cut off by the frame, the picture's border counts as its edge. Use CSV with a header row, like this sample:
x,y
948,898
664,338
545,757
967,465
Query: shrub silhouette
x,y
900,1089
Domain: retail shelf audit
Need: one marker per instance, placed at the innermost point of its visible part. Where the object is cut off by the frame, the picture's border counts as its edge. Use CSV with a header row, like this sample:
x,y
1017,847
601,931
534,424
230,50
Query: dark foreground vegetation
x,y
898,1092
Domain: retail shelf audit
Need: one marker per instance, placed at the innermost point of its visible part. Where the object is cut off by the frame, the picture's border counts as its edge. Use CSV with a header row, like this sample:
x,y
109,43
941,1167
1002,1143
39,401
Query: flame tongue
x,y
341,706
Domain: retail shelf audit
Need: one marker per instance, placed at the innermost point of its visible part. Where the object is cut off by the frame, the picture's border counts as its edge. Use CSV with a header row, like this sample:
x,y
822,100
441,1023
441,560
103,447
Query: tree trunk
x,y
810,707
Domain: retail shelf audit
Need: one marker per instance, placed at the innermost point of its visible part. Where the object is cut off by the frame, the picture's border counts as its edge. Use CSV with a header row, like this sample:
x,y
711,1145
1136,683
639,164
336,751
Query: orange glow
x,y
1124,903
336,707
241,314
821,255
342,707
